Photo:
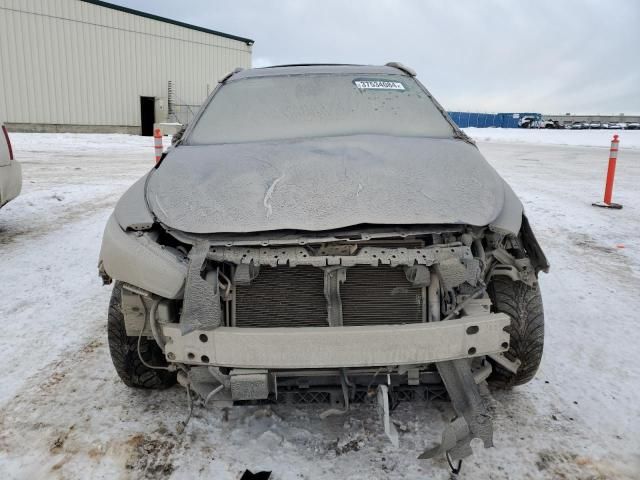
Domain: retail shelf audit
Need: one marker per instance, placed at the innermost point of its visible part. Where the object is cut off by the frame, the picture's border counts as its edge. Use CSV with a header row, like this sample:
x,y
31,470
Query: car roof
x,y
323,68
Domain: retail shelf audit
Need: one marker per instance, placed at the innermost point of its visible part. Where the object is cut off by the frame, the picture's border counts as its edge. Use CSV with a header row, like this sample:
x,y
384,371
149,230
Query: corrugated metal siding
x,y
71,62
483,120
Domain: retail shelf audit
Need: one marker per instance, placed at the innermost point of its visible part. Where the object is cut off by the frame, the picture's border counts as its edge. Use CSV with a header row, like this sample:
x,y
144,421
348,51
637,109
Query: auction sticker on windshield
x,y
373,84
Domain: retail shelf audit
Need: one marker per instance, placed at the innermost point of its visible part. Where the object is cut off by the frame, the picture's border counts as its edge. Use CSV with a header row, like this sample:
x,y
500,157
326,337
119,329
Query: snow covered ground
x,y
65,414
583,138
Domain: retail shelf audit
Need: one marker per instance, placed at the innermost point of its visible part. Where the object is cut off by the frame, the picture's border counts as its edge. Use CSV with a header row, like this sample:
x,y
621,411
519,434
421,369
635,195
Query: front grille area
x,y
294,297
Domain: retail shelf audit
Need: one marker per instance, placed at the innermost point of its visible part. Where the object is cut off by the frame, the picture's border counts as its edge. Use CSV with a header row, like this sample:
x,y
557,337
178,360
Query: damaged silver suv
x,y
325,233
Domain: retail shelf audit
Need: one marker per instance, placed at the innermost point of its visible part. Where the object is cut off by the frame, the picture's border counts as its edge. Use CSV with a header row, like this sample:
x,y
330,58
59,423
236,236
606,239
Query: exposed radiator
x,y
294,297
378,296
283,297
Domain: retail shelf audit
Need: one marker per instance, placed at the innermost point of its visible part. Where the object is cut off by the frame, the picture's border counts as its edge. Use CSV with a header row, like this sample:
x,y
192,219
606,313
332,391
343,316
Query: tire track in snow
x,y
52,296
17,232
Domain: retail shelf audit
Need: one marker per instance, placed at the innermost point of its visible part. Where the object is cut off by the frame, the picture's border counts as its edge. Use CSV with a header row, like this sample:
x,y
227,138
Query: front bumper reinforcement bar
x,y
339,347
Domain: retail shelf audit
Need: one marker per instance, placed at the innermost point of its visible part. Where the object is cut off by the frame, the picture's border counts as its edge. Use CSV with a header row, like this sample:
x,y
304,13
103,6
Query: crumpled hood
x,y
324,184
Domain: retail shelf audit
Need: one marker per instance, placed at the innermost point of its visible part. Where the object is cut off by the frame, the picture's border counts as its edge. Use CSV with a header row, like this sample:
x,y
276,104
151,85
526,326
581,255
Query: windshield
x,y
322,105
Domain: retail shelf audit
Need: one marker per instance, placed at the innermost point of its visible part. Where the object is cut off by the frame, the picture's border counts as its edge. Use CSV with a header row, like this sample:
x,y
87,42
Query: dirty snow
x,y
65,414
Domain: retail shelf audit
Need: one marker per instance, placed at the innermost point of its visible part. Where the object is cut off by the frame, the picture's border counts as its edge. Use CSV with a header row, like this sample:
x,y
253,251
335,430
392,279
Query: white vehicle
x,y
10,170
633,126
529,121
240,274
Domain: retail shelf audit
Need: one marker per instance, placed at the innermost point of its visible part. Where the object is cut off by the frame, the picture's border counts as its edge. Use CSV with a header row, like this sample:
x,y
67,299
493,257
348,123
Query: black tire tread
x,y
124,351
524,305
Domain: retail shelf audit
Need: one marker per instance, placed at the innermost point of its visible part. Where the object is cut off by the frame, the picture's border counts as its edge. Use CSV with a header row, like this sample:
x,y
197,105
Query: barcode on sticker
x,y
378,85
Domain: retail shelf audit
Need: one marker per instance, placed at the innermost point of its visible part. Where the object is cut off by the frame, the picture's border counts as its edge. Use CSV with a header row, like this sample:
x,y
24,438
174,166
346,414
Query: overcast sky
x,y
549,56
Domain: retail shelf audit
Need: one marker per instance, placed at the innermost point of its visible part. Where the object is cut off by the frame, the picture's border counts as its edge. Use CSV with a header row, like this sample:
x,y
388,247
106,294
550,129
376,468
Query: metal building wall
x,y
75,63
483,120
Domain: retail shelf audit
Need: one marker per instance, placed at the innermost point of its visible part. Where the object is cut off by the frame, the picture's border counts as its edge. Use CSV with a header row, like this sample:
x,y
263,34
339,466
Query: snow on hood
x,y
324,184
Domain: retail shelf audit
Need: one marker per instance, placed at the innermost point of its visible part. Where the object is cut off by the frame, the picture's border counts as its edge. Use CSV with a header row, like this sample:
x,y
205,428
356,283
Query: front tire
x,y
524,305
124,351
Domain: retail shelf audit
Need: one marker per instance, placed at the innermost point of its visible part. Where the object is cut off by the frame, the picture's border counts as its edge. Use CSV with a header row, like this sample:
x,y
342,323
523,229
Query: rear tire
x,y
124,351
524,305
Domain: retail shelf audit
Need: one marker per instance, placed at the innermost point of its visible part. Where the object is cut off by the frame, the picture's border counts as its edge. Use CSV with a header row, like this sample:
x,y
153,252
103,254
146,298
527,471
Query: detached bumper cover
x,y
331,347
